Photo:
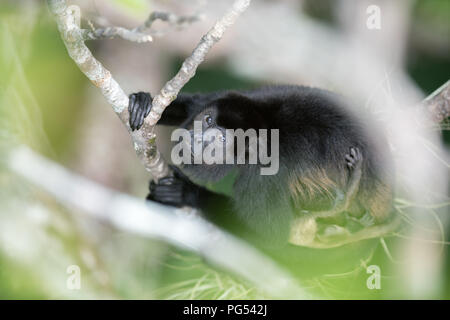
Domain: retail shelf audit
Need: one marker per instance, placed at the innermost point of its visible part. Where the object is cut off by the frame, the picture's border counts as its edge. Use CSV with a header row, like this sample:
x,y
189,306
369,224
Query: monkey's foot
x,y
139,107
354,159
303,230
336,236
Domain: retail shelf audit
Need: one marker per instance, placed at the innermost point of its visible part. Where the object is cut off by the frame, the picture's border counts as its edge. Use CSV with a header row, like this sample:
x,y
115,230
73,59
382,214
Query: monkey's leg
x,y
342,201
304,229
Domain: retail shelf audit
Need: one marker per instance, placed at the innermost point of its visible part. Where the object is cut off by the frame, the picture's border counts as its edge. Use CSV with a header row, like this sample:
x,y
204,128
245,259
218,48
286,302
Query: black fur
x,y
316,134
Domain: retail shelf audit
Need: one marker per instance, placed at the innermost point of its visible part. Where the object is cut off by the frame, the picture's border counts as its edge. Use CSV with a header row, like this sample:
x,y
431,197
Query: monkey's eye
x,y
208,119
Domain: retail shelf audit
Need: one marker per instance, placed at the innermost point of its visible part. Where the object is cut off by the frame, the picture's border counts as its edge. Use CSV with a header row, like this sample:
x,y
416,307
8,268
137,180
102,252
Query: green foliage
x,y
434,12
133,6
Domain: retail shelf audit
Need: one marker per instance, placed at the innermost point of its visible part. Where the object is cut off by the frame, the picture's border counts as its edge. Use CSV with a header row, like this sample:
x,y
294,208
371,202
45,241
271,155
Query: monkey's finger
x,y
170,199
140,120
131,100
349,158
142,98
142,116
139,113
138,109
167,181
168,196
134,114
148,104
166,186
131,109
144,106
152,186
353,152
168,193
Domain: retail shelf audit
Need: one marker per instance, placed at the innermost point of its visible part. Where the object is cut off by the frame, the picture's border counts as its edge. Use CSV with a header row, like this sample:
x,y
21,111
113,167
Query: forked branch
x,y
144,139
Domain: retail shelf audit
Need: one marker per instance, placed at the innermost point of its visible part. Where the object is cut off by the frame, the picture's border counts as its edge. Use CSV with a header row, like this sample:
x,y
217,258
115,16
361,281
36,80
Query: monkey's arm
x,y
176,113
261,223
177,190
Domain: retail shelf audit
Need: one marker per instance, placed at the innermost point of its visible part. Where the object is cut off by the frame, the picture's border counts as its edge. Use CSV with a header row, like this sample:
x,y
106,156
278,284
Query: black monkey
x,y
331,165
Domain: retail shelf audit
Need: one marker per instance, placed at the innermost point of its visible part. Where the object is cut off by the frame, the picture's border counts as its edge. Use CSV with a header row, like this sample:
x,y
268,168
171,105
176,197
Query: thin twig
x,y
112,32
141,33
171,89
171,18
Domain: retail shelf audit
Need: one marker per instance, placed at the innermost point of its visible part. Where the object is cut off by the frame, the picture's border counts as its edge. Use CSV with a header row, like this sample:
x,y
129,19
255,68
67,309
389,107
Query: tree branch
x,y
170,91
144,140
171,18
150,219
141,33
125,212
112,32
438,103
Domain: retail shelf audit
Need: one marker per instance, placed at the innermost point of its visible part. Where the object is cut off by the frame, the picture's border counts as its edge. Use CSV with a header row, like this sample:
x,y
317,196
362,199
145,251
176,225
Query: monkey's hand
x,y
139,107
176,190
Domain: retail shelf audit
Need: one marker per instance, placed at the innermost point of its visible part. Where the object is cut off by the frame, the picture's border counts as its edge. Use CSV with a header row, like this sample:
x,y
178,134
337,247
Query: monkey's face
x,y
208,146
218,138
206,133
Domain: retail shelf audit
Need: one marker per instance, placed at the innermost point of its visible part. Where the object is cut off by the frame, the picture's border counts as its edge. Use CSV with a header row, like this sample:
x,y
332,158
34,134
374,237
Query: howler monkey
x,y
332,167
